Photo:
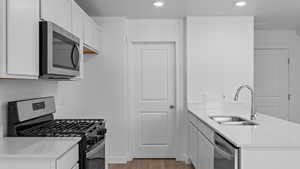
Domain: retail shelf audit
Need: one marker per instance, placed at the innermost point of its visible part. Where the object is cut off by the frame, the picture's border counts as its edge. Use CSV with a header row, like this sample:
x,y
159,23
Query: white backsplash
x,y
11,90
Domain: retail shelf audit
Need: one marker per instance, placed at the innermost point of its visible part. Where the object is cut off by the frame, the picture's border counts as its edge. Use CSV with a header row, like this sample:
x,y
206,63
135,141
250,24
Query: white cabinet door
x,y
98,38
69,159
205,153
78,29
88,30
194,146
77,20
91,33
57,11
22,37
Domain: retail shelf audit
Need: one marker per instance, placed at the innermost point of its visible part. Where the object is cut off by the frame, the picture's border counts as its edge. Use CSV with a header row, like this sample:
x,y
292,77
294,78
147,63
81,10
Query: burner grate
x,y
62,127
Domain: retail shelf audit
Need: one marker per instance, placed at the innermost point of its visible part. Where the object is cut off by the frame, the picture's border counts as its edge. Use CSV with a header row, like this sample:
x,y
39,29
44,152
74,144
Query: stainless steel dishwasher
x,y
226,156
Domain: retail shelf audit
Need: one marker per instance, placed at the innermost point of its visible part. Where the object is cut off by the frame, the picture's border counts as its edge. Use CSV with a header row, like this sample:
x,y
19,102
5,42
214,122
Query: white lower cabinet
x,y
69,160
206,152
201,149
194,145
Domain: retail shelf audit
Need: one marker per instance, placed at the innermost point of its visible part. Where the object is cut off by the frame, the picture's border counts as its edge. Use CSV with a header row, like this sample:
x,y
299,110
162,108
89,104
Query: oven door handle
x,y
95,149
223,153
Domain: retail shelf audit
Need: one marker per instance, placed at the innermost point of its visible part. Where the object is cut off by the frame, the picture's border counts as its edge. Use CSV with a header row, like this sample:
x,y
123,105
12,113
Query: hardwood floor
x,y
152,164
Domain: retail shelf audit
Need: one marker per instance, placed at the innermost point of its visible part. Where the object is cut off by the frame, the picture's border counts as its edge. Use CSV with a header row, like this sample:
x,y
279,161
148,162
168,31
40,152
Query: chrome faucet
x,y
236,98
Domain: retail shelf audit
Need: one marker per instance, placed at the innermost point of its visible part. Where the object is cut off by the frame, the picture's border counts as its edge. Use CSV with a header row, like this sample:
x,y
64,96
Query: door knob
x,y
172,106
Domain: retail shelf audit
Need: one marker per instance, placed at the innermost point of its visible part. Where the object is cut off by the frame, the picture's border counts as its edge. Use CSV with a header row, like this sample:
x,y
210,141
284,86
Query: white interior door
x,y
271,82
155,93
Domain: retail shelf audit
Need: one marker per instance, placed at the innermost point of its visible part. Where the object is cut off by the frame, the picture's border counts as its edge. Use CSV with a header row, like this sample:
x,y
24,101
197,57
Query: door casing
x,y
180,114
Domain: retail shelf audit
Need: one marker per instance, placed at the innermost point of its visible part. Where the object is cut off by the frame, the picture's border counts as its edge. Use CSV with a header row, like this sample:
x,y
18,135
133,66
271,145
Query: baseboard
x,y
125,159
183,157
117,159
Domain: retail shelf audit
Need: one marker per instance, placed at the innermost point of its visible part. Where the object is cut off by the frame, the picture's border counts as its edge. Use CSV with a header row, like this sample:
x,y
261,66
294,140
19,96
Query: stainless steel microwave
x,y
59,52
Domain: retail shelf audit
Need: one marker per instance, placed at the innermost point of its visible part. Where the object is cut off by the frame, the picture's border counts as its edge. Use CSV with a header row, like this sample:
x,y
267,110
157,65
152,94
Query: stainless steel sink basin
x,y
232,120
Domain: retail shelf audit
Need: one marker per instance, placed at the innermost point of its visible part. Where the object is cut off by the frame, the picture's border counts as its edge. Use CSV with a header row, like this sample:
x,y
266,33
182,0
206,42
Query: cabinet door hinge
x,y
289,96
289,60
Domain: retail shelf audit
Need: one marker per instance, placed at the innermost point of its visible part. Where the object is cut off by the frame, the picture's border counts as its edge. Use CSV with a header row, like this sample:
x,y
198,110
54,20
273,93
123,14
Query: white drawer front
x,y
202,127
205,130
193,119
69,159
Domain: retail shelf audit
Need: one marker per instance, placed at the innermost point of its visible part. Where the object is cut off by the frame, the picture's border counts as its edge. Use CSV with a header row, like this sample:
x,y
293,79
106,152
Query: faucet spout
x,y
236,98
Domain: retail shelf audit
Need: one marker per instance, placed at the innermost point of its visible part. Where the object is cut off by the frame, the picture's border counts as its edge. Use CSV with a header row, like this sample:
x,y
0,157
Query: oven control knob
x,y
101,132
92,140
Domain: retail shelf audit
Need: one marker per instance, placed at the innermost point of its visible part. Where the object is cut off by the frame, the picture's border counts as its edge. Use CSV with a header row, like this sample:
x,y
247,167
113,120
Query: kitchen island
x,y
272,144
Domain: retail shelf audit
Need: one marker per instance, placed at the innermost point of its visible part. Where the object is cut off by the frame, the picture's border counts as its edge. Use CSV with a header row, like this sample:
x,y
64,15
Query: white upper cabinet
x,y
19,39
69,15
78,30
88,31
19,33
77,20
219,58
57,11
99,35
91,33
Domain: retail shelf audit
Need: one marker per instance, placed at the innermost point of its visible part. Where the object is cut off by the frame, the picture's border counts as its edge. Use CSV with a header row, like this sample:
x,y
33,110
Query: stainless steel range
x,y
34,118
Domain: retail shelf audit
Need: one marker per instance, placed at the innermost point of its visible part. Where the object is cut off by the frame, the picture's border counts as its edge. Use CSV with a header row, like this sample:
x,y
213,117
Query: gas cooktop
x,y
66,127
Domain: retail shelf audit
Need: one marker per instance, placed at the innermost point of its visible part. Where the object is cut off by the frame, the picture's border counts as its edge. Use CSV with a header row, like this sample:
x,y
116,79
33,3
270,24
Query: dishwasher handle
x,y
222,151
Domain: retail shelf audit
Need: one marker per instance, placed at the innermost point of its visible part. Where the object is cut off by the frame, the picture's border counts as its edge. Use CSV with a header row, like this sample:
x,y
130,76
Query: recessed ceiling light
x,y
158,4
241,3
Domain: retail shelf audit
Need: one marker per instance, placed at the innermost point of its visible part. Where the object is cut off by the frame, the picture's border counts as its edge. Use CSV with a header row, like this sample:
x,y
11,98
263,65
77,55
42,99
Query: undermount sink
x,y
232,120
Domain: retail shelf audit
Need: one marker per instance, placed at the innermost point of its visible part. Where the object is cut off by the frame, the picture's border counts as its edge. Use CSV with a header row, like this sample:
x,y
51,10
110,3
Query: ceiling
x,y
269,14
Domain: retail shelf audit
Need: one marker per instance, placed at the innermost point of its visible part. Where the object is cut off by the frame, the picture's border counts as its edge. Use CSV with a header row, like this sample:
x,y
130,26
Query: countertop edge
x,y
244,146
74,140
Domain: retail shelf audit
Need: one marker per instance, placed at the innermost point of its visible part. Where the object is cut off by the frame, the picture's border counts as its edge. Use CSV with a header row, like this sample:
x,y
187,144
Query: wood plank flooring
x,y
152,164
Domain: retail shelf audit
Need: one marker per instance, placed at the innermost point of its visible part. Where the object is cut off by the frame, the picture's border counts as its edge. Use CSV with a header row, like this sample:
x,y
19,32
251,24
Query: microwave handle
x,y
72,56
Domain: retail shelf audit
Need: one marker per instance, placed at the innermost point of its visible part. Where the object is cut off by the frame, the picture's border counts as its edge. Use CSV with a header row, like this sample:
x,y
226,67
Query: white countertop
x,y
270,133
36,147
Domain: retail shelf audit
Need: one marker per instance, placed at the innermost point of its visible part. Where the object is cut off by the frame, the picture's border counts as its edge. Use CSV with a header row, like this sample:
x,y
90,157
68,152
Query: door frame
x,y
134,94
179,95
289,68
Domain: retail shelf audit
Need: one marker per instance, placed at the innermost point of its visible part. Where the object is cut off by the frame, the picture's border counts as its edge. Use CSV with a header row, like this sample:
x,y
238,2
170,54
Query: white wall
x,y
104,85
290,40
219,59
100,94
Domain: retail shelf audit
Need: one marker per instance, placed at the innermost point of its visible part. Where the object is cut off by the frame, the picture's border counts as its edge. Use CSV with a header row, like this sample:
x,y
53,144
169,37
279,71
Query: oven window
x,y
96,157
65,52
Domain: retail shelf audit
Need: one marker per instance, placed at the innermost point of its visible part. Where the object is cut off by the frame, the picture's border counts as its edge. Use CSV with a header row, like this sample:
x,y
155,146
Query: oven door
x,y
225,155
95,158
60,51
